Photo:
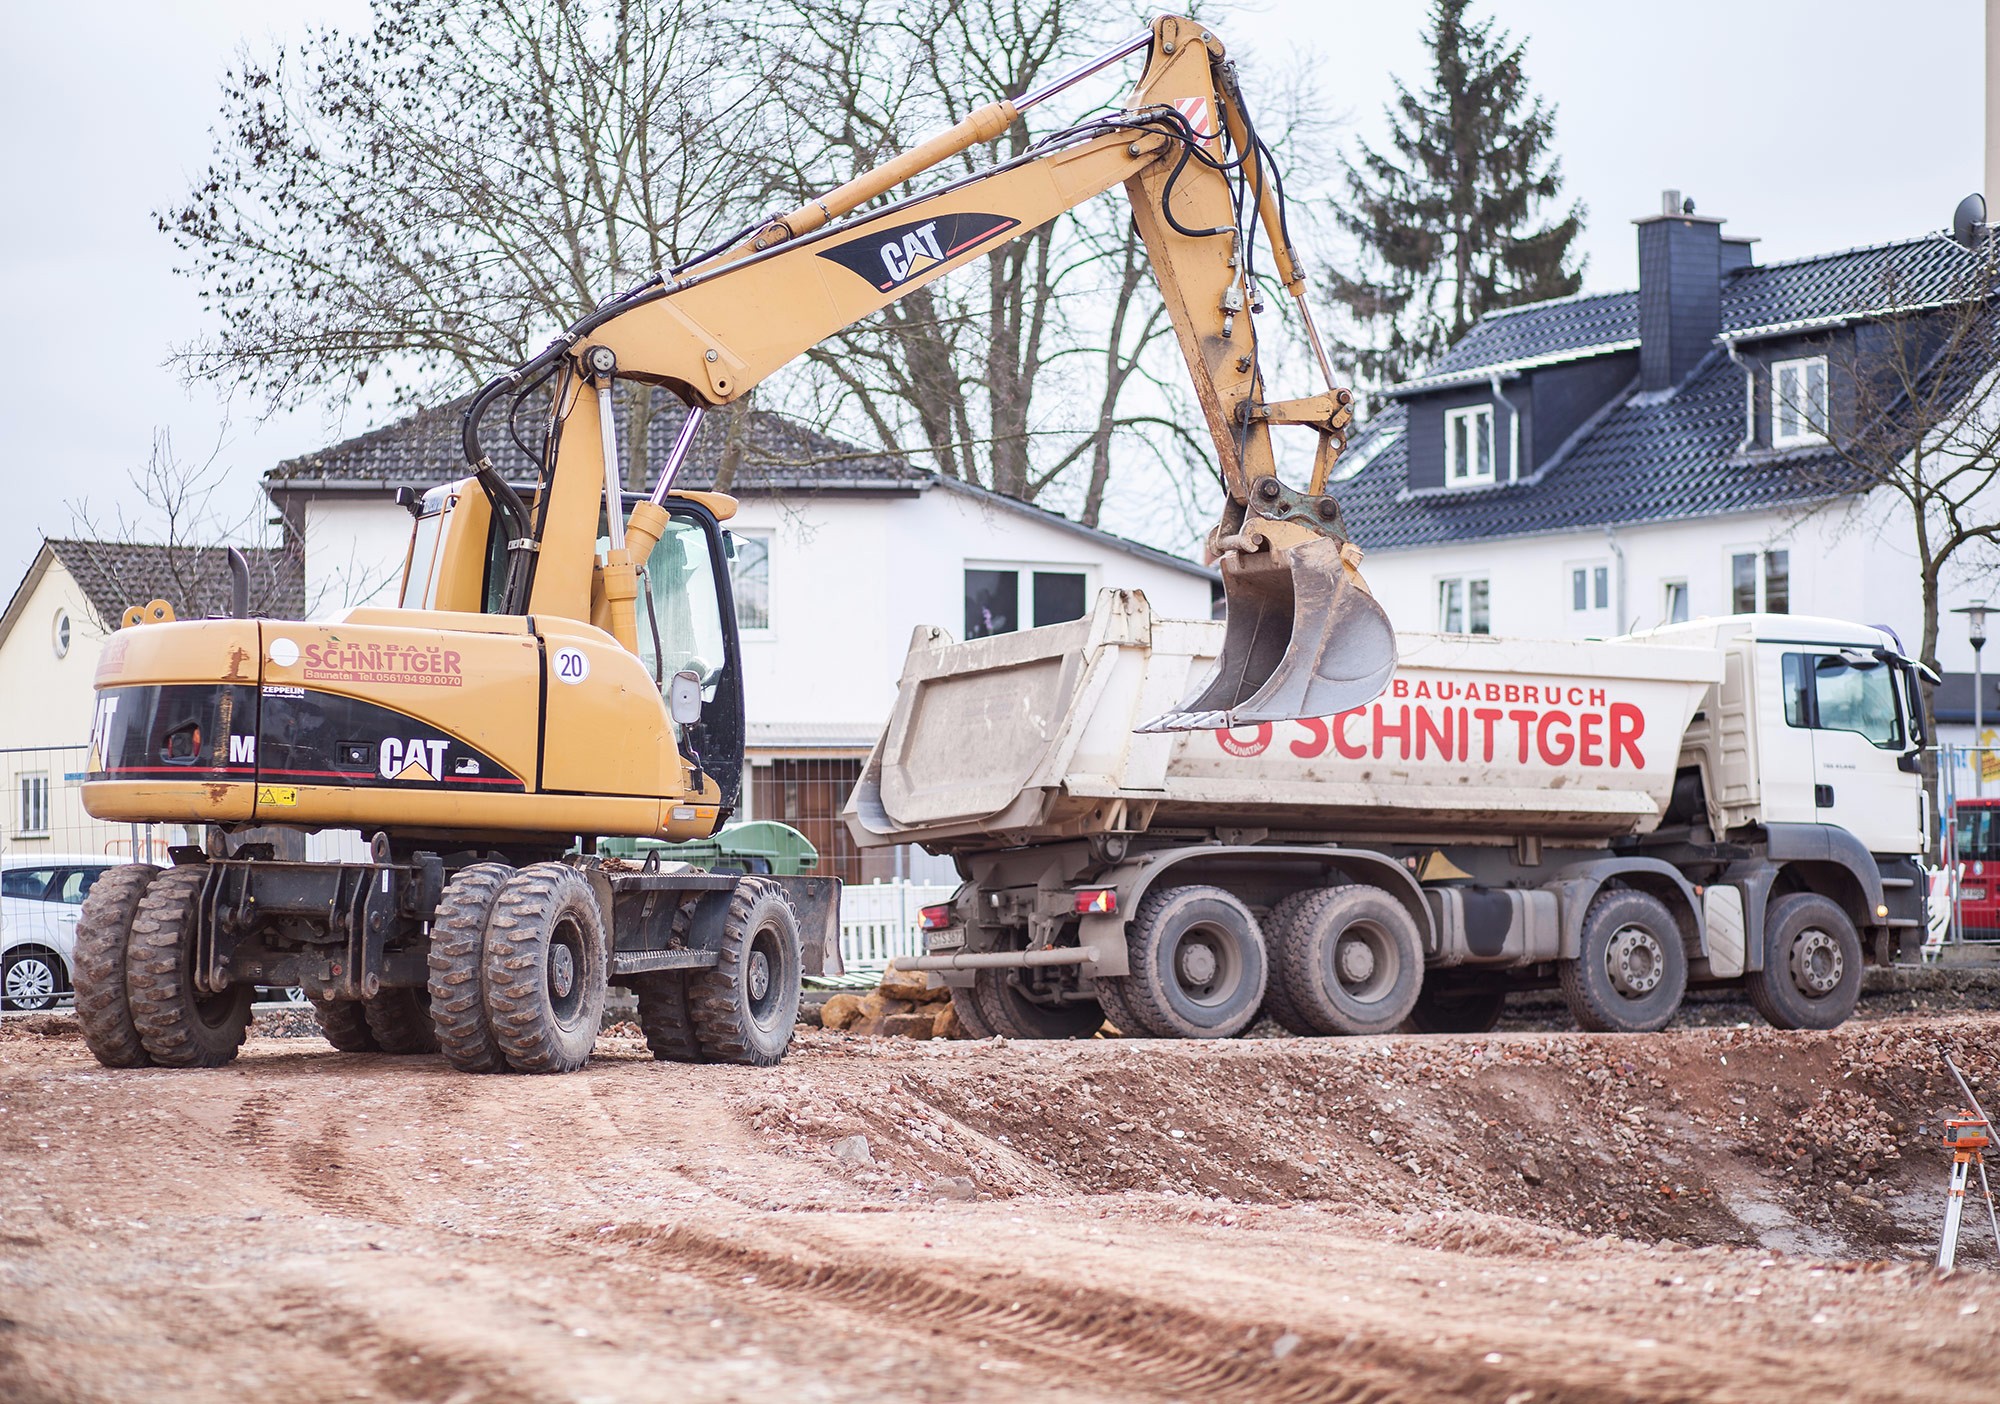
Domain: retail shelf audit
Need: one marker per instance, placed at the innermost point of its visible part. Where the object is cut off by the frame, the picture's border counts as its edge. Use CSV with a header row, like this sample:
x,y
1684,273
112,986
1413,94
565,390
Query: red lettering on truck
x,y
1401,731
1489,715
1252,745
1589,738
1524,720
1315,742
1434,729
1558,750
1628,724
1352,750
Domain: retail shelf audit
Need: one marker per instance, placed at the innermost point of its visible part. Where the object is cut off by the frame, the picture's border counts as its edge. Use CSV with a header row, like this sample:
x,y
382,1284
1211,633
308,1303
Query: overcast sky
x,y
1813,124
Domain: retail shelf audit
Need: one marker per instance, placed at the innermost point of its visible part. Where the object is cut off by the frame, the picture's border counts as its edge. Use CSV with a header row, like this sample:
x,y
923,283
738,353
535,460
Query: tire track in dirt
x,y
1143,1341
320,1168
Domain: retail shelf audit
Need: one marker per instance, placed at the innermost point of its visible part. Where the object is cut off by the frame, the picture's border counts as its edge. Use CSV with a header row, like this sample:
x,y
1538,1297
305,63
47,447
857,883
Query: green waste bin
x,y
755,846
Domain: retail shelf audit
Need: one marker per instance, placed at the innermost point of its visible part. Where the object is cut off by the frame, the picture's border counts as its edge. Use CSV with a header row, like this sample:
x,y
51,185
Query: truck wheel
x,y
1349,959
458,968
1632,970
965,1003
1457,1011
1812,964
1198,966
344,1024
180,1026
401,1021
1011,1014
744,1008
103,932
545,969
666,1017
1110,993
1278,1002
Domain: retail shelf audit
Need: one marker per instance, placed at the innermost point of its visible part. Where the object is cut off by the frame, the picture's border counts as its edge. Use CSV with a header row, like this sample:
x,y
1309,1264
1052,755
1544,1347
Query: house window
x,y
1674,608
750,579
60,637
1798,401
1760,582
1468,446
1002,598
1464,605
34,812
1589,588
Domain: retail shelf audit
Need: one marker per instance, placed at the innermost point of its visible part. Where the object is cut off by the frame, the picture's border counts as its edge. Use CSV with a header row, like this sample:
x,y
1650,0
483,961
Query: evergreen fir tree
x,y
1447,219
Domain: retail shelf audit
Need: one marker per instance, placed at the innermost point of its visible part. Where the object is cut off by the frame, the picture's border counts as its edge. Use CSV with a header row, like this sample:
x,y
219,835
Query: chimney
x,y
1680,290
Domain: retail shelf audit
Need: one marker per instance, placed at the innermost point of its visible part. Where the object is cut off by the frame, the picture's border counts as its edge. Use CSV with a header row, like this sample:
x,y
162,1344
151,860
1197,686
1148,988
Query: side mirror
x,y
684,697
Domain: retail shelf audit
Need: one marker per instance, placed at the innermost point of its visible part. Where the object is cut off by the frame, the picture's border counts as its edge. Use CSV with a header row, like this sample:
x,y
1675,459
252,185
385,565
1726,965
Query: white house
x,y
1597,463
840,556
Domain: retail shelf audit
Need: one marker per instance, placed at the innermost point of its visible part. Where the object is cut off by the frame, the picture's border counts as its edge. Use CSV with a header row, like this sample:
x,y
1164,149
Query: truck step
x,y
642,962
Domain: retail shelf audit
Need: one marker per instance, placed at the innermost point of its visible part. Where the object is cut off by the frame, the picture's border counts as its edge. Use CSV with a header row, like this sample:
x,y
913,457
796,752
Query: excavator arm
x,y
1303,638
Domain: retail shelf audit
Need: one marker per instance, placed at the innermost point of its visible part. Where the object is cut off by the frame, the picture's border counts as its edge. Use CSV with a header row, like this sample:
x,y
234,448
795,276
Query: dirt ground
x,y
1708,1213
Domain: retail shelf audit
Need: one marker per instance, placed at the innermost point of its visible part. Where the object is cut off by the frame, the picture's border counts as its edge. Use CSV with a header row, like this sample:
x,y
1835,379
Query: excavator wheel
x,y
1350,960
97,965
1012,1014
546,963
401,1021
458,968
180,1026
344,1024
744,1007
666,1017
1198,963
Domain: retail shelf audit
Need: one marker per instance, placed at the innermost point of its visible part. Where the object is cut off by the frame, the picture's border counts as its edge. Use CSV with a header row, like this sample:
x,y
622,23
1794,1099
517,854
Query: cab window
x,y
424,549
1832,692
680,581
1975,834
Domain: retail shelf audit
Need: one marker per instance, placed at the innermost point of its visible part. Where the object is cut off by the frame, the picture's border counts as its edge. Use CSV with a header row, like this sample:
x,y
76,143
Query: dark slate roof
x,y
1756,300
423,449
1648,459
114,575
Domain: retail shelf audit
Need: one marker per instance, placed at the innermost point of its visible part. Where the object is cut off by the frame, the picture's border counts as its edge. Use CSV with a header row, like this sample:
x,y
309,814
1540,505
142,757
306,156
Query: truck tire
x,y
401,1021
1349,959
1110,993
344,1024
1198,964
545,969
746,1006
458,968
180,1026
666,1016
1451,1011
1812,964
103,934
1011,1014
1278,1003
965,1004
1632,970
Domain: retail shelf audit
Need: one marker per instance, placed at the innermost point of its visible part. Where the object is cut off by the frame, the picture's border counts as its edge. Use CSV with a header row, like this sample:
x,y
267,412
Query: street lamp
x,y
1975,623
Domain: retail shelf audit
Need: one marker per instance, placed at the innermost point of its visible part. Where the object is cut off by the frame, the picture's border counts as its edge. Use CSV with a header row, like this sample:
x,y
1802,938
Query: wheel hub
x,y
1816,962
1636,962
30,979
1356,962
1198,963
562,971
759,975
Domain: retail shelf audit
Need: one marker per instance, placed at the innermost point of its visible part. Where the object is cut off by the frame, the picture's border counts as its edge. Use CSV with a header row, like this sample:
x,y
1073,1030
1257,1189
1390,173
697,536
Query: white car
x,y
40,897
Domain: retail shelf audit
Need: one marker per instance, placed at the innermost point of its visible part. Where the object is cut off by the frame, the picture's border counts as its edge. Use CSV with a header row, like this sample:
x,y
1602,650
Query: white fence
x,y
879,920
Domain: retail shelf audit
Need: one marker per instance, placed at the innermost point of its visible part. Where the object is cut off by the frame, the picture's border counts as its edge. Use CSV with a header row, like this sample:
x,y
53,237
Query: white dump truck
x,y
1728,800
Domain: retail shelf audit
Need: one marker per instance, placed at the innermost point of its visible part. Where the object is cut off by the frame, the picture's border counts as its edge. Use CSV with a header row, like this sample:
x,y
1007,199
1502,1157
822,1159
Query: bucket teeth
x,y
1304,638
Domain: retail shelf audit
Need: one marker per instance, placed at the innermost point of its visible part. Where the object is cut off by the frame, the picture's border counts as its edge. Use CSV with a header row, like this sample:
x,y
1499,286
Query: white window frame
x,y
23,815
768,539
1596,581
1762,556
1024,585
1472,417
1667,589
1809,430
1463,585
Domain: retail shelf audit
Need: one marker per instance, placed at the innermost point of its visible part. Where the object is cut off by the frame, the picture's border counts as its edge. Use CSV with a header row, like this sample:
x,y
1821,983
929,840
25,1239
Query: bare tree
x,y
433,199
1909,412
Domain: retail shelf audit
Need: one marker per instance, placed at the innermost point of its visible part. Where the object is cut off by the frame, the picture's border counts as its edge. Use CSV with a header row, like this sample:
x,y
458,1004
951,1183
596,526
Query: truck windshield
x,y
1975,834
680,578
1831,692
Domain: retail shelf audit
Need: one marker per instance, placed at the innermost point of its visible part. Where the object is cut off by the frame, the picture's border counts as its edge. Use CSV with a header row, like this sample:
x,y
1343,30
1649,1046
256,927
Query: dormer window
x,y
1798,402
1468,447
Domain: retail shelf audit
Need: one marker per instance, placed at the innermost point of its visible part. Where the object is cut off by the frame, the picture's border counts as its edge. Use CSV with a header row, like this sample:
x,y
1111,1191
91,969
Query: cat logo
x,y
415,759
889,258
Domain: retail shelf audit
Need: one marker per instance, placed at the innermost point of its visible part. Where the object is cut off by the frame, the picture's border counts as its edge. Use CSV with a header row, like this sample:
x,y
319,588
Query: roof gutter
x,y
1749,397
1514,472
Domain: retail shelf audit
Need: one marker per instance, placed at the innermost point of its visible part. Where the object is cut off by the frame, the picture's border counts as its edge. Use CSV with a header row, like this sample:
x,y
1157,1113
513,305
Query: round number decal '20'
x,y
571,665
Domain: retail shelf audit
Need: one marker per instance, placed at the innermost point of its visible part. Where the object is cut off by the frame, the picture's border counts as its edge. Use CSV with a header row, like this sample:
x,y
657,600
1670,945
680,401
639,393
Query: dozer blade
x,y
1303,638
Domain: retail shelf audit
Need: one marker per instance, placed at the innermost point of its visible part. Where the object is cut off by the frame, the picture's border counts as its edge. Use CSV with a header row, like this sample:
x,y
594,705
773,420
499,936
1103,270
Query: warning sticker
x,y
281,796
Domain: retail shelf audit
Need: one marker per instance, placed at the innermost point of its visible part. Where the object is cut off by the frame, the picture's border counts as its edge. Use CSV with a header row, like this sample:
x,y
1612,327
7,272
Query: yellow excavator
x,y
565,663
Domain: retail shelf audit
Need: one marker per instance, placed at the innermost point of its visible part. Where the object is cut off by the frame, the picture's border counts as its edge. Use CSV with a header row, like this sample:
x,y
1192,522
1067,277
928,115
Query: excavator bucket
x,y
1303,638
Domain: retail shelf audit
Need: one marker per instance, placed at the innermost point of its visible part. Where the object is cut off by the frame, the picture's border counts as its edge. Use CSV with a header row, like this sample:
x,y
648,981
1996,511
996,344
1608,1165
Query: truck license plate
x,y
950,938
1972,894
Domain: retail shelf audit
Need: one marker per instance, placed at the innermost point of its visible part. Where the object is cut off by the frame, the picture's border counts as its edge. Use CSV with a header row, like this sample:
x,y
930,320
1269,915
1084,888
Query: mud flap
x,y
1303,638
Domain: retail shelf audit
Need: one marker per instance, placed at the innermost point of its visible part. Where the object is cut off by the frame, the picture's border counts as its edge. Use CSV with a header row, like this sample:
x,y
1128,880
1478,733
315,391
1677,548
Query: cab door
x,y
1860,735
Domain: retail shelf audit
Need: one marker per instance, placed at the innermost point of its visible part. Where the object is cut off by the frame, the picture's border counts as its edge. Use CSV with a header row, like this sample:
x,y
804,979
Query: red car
x,y
1978,824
